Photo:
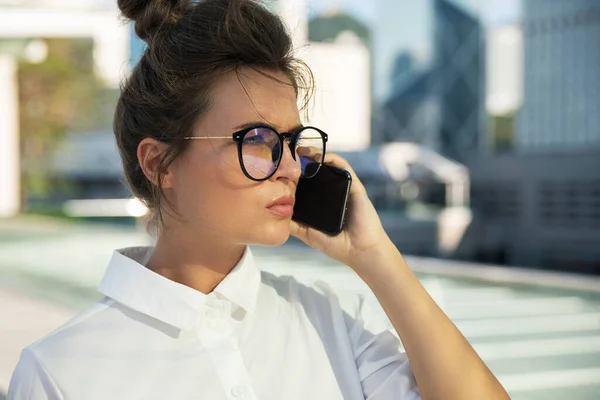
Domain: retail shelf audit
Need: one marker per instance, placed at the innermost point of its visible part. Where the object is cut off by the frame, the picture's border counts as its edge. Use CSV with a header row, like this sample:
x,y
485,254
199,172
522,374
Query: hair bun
x,y
151,15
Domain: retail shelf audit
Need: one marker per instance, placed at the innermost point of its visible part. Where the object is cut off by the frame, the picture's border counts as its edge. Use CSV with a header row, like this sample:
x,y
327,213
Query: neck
x,y
200,263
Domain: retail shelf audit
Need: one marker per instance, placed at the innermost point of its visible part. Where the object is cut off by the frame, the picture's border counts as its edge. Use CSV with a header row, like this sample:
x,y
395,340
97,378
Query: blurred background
x,y
474,125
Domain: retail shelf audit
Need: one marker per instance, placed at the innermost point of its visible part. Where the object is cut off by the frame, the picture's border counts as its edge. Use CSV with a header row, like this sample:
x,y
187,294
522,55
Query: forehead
x,y
251,96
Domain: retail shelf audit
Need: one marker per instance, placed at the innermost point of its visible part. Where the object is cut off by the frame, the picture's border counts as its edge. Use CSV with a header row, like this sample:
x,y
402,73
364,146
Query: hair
x,y
190,46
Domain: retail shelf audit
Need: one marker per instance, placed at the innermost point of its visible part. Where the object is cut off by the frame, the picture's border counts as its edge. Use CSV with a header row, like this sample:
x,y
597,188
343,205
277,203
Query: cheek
x,y
224,173
213,189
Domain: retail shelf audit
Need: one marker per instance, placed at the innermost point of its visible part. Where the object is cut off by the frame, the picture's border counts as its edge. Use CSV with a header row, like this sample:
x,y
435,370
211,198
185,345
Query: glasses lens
x,y
261,152
310,151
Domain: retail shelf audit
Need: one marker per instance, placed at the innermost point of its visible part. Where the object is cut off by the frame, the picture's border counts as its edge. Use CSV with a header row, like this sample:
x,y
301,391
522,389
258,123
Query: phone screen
x,y
321,200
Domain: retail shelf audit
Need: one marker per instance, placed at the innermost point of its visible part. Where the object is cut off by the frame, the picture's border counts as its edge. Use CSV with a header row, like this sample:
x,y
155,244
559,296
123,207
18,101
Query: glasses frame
x,y
291,137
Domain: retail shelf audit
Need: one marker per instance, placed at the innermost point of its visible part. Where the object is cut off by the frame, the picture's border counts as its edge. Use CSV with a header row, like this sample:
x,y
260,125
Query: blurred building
x,y
98,20
540,205
535,210
411,113
504,69
536,176
421,196
342,101
459,79
24,24
91,165
326,28
504,85
562,82
441,106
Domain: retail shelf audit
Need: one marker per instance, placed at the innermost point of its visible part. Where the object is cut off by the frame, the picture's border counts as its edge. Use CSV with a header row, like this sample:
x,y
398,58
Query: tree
x,y
58,95
503,131
327,28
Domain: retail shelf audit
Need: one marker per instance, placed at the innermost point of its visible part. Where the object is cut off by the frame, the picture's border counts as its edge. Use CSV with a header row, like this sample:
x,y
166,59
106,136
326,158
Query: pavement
x,y
538,332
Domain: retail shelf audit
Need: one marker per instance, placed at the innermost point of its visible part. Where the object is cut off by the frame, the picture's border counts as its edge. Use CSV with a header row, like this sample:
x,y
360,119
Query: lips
x,y
282,207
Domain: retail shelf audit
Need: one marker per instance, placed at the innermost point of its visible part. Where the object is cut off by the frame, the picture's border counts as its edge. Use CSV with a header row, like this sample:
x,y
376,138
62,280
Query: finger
x,y
309,236
340,162
299,231
311,152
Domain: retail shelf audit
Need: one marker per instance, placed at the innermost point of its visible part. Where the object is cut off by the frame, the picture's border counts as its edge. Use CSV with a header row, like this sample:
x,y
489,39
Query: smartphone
x,y
321,201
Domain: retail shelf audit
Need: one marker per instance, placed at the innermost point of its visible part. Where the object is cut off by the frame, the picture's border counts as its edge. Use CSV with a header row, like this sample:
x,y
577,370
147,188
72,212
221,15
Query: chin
x,y
272,234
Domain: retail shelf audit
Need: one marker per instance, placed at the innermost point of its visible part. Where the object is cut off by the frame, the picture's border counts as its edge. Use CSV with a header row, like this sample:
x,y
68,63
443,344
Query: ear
x,y
150,153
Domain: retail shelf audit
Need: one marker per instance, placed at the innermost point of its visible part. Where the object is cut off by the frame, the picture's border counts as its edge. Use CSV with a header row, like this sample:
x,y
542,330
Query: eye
x,y
261,136
254,139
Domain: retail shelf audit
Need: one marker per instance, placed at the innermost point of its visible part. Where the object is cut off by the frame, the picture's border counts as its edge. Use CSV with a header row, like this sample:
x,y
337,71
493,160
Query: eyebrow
x,y
253,124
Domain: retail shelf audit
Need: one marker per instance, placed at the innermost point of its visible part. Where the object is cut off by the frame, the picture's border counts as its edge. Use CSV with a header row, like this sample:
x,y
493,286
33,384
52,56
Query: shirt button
x,y
237,391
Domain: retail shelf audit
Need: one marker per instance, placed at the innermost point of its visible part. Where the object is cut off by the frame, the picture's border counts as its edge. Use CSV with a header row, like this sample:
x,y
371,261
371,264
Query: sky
x,y
494,11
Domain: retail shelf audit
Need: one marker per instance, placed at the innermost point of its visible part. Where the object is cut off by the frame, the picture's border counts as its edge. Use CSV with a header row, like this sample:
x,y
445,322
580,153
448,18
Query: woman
x,y
194,317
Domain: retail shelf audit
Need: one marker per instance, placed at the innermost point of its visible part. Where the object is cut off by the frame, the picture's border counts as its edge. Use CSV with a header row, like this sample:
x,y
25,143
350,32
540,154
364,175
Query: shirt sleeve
x,y
31,380
383,367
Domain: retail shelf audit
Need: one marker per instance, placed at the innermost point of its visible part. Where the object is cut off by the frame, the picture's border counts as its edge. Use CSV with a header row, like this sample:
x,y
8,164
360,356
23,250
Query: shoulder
x,y
65,339
31,380
321,297
33,376
307,291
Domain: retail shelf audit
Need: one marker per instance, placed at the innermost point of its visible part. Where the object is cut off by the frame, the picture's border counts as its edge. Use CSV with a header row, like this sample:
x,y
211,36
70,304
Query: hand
x,y
362,232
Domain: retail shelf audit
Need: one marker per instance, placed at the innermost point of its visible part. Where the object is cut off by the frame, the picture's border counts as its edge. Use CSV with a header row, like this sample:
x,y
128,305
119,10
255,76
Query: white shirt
x,y
256,336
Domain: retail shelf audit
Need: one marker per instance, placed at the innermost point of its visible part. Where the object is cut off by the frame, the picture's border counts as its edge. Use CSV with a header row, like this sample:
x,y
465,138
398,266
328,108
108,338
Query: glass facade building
x,y
561,78
437,97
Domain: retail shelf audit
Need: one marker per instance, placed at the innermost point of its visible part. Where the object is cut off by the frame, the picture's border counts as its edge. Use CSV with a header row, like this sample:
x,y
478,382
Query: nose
x,y
289,166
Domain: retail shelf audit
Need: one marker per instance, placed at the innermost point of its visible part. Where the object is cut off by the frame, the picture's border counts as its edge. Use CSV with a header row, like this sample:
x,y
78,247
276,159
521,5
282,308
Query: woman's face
x,y
208,188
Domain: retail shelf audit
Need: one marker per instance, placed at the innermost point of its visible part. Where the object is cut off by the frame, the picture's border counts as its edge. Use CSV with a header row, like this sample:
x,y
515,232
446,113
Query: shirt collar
x,y
130,283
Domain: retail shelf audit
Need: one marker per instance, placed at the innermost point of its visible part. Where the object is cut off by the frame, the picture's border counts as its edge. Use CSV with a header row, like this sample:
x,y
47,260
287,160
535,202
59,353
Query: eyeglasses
x,y
260,149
